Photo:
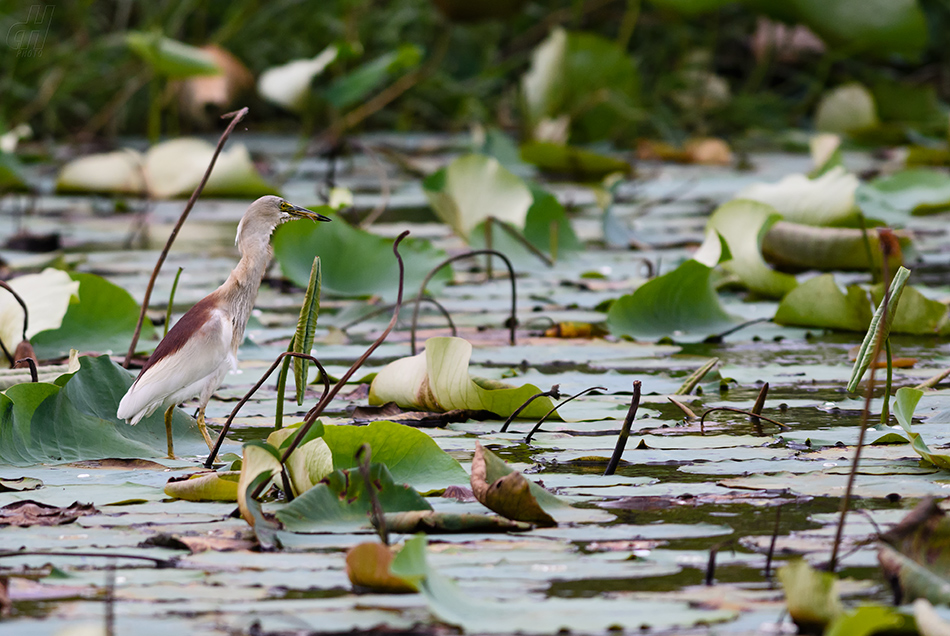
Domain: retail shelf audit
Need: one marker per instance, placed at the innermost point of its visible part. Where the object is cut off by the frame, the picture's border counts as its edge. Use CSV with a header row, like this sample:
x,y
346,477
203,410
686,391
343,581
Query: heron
x,y
201,348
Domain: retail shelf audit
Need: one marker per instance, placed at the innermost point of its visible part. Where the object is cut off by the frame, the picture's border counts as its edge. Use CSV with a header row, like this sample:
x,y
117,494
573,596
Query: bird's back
x,y
195,348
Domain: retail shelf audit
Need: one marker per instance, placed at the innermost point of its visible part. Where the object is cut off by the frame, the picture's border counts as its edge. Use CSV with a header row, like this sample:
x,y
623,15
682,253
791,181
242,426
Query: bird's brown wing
x,y
184,365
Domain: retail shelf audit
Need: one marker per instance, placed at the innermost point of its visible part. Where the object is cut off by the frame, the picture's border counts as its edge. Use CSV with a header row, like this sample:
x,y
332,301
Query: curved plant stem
x,y
624,431
235,117
534,429
512,320
260,383
329,395
26,320
553,392
731,409
771,552
385,308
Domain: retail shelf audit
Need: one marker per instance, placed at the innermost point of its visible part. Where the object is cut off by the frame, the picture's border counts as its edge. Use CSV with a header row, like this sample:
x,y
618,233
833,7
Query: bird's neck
x,y
239,292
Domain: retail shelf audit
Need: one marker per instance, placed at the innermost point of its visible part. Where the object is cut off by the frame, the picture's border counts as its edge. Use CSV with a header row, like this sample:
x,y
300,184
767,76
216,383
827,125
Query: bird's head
x,y
267,213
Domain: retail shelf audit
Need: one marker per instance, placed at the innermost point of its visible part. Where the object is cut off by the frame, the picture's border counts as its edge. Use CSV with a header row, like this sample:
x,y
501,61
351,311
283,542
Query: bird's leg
x,y
204,429
168,430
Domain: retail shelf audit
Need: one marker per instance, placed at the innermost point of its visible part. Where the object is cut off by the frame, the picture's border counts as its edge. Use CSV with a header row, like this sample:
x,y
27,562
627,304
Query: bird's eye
x,y
284,206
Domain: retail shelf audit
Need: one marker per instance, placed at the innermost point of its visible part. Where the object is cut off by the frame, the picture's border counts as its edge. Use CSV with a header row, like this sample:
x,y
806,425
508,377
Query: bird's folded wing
x,y
200,357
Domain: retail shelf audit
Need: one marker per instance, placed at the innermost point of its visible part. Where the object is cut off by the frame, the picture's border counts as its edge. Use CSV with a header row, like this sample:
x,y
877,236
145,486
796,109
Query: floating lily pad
x,y
102,321
340,501
374,272
74,419
683,301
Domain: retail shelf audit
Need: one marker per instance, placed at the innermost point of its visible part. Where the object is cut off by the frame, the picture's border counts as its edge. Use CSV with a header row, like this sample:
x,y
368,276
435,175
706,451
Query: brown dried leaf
x,y
34,513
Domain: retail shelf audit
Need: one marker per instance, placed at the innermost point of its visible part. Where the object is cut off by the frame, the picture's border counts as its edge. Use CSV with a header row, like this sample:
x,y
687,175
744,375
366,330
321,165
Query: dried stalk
x,y
236,118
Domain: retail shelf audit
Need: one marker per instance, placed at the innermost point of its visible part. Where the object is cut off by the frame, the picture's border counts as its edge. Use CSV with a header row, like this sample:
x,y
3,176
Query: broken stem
x,y
624,430
512,320
759,403
34,376
235,117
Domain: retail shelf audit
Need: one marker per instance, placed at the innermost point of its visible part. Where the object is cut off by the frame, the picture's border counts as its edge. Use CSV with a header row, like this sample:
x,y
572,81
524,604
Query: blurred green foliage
x,y
84,80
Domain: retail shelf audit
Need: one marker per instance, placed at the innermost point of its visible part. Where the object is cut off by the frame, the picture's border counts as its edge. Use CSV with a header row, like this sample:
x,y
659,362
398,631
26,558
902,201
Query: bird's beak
x,y
304,213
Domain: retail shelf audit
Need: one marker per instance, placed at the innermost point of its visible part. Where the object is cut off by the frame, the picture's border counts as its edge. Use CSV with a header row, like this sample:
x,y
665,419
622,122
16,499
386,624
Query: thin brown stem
x,y
536,427
865,415
731,409
32,364
512,320
378,519
236,118
22,303
624,431
553,392
260,383
426,299
771,552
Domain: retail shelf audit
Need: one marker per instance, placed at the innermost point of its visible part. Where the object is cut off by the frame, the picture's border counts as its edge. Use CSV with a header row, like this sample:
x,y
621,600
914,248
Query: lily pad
x,y
474,187
905,402
909,192
341,501
819,302
683,301
411,456
580,164
825,200
210,486
74,419
437,379
509,493
47,296
743,224
375,272
103,321
914,555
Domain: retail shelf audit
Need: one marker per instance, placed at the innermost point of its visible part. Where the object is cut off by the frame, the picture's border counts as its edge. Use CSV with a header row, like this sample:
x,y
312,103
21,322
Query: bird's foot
x,y
204,430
